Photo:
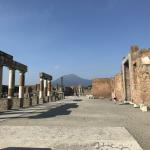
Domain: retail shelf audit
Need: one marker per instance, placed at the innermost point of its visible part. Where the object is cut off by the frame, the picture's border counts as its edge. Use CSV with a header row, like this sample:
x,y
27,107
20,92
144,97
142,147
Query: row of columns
x,y
11,83
45,88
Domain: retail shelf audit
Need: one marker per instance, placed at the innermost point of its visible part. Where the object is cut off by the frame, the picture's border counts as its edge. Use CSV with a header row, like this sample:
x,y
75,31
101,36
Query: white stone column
x,y
21,85
49,88
79,90
1,80
45,87
11,83
41,88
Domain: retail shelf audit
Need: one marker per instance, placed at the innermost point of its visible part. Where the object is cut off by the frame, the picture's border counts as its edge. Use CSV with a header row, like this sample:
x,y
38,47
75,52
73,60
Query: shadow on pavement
x,y
51,112
60,110
77,100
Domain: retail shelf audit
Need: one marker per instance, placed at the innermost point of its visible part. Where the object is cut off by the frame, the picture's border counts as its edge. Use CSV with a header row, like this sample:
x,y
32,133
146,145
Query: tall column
x,y
79,90
21,88
11,83
1,80
62,84
45,87
49,88
41,88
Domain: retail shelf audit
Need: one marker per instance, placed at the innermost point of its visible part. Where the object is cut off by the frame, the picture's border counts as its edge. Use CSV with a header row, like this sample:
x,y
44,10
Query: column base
x,y
49,98
30,101
44,100
21,102
37,100
9,103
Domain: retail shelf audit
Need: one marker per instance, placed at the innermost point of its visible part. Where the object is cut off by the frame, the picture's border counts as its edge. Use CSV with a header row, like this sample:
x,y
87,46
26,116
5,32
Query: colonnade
x,y
45,86
7,60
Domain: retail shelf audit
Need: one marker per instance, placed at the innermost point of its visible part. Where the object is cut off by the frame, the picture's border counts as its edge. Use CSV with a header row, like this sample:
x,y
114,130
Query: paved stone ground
x,y
76,124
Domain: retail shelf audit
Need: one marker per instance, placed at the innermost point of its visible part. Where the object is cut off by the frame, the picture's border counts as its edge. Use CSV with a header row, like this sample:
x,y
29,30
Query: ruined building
x,y
7,61
24,96
132,84
136,77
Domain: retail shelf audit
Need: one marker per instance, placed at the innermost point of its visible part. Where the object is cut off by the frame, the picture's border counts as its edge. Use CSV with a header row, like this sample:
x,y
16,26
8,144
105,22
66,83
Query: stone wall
x,y
138,76
101,88
3,105
16,103
118,87
143,78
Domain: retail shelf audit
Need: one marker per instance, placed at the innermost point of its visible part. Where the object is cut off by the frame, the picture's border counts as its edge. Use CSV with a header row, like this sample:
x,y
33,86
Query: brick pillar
x,y
21,88
1,80
41,88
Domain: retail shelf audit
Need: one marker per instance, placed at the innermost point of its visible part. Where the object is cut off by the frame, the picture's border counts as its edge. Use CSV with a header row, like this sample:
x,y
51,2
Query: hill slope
x,y
73,80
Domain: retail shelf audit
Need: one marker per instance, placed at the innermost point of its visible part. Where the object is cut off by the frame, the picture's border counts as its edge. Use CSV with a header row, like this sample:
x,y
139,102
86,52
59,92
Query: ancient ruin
x,y
101,88
136,77
26,95
45,87
7,60
131,85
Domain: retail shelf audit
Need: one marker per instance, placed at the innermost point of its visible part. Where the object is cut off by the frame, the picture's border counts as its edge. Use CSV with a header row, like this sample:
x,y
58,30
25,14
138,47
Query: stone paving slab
x,y
67,138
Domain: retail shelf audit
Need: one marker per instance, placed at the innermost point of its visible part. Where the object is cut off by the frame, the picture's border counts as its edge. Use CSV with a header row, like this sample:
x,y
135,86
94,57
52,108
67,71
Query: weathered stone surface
x,y
101,87
3,105
117,87
58,138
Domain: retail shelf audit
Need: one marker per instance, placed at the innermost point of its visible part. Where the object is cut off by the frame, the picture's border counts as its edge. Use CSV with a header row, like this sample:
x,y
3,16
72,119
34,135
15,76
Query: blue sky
x,y
85,37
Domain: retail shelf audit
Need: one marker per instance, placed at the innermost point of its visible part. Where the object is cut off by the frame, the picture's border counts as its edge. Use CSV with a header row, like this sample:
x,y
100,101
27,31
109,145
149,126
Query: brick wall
x,y
101,87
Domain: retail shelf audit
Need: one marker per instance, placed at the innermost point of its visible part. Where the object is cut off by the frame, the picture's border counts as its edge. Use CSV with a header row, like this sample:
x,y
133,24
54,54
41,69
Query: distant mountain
x,y
73,80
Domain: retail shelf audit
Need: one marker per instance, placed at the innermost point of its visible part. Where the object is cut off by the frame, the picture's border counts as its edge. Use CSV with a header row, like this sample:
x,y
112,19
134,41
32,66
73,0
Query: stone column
x,y
21,88
11,83
45,87
79,90
1,80
41,88
62,84
49,88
